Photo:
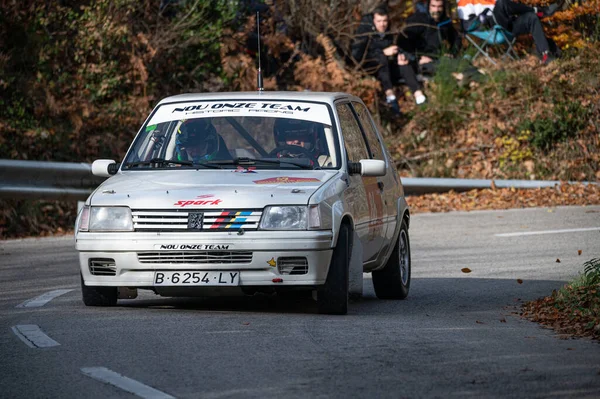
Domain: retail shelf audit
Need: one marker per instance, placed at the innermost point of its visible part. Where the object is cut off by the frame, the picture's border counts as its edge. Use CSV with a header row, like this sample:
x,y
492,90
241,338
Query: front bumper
x,y
266,247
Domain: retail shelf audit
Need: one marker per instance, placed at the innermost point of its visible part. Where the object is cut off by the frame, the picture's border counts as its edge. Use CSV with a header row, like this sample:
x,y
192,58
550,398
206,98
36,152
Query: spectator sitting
x,y
520,19
425,35
374,47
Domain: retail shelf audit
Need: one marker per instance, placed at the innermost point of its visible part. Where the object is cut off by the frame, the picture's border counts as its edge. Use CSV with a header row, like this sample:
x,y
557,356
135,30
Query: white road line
x,y
125,383
42,299
534,233
33,336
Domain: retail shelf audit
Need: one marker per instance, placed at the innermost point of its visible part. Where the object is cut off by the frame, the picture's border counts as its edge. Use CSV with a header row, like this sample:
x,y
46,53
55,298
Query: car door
x,y
387,184
364,194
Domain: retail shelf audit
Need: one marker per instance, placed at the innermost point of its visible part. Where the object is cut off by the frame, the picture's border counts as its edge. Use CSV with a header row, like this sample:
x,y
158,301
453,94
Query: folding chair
x,y
478,32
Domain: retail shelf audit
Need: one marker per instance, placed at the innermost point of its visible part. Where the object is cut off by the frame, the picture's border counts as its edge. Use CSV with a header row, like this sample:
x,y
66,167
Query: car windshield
x,y
226,135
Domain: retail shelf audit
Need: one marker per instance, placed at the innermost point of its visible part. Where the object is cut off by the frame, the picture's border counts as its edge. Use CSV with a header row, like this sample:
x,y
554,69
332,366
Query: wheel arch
x,y
341,217
406,218
402,209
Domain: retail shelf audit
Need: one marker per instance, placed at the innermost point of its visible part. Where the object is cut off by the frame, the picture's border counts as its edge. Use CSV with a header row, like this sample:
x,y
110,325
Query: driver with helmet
x,y
197,141
296,139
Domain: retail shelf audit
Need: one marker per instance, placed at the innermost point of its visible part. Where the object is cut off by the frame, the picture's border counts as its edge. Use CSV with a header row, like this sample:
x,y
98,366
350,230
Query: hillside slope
x,y
77,80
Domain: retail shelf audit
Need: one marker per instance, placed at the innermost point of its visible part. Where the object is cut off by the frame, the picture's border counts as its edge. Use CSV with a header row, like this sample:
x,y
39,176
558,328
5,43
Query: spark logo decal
x,y
287,180
272,262
206,199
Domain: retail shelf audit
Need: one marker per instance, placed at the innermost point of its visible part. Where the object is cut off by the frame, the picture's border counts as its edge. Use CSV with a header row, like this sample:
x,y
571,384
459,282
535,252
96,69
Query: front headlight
x,y
106,218
284,218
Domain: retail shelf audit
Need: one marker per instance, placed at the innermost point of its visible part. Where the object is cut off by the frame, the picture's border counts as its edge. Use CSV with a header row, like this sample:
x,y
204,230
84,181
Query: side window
x,y
353,138
367,124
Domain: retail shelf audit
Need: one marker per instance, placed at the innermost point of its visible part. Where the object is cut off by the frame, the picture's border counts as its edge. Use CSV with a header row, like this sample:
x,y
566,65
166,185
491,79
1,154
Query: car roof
x,y
312,96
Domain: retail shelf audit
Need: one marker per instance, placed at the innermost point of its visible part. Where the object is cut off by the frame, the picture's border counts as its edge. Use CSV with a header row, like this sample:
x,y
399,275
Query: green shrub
x,y
568,121
591,270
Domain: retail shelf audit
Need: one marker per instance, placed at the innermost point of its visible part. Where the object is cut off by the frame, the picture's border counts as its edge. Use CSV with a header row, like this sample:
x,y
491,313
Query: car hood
x,y
209,189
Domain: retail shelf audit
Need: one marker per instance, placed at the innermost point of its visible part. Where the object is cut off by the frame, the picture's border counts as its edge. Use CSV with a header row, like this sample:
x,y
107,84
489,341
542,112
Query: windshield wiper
x,y
303,163
158,161
162,162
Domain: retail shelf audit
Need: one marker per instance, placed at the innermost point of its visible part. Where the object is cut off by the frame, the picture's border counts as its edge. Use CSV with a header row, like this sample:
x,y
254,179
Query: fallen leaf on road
x,y
479,322
579,251
465,270
557,260
519,281
503,320
246,323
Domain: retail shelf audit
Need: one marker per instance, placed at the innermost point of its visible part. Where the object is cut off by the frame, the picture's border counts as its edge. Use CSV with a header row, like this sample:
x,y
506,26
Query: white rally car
x,y
249,192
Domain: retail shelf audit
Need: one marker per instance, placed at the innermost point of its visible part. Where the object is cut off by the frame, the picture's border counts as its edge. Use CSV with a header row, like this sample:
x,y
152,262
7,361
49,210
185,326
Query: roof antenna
x,y
259,76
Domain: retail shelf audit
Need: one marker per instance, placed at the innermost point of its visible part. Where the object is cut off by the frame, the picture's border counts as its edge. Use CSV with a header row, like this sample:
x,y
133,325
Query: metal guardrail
x,y
46,180
418,186
74,181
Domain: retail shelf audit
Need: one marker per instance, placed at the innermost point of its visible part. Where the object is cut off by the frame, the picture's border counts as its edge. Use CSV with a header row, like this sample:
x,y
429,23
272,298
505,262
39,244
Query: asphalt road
x,y
457,334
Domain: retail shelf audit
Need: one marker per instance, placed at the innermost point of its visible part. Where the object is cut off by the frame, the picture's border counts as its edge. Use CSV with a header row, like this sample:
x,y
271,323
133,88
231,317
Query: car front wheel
x,y
393,281
332,298
98,296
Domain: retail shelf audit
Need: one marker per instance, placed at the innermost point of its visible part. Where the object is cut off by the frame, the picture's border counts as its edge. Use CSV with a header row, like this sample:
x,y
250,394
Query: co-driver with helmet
x,y
296,139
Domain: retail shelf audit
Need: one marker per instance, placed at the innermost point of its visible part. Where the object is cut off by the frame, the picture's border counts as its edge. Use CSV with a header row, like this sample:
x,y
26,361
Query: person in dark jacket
x,y
374,48
520,19
427,37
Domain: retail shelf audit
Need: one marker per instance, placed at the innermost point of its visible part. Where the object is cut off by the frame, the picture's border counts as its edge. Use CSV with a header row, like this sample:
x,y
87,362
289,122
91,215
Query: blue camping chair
x,y
484,38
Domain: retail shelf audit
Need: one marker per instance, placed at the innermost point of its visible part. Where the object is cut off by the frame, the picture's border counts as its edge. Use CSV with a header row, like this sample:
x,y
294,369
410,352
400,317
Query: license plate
x,y
196,278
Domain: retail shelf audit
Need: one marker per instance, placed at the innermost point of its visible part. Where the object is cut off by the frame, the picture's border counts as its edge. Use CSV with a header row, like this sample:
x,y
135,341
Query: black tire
x,y
98,296
393,281
332,298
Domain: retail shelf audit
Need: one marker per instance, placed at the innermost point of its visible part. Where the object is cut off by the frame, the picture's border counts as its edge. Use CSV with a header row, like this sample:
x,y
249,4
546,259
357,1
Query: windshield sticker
x,y
276,109
287,180
200,200
241,169
251,105
203,247
150,128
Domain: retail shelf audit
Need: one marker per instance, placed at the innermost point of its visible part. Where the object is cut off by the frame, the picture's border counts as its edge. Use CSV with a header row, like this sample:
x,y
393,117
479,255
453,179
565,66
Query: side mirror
x,y
367,167
104,167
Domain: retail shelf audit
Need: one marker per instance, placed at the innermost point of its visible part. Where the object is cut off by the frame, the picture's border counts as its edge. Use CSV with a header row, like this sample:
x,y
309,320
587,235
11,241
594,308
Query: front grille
x,y
204,257
102,267
164,220
292,265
